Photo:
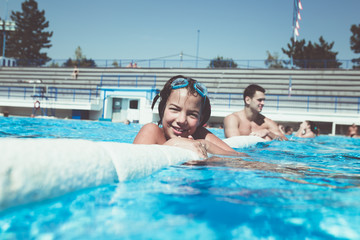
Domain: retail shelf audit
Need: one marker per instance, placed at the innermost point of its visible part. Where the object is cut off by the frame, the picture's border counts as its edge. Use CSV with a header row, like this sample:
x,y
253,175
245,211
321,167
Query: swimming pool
x,y
303,188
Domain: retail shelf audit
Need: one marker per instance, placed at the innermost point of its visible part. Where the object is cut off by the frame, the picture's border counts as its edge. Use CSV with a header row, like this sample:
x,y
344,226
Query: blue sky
x,y
237,29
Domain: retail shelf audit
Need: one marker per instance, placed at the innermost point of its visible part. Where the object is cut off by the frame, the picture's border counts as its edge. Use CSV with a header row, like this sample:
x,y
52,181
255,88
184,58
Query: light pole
x,y
197,48
6,26
181,59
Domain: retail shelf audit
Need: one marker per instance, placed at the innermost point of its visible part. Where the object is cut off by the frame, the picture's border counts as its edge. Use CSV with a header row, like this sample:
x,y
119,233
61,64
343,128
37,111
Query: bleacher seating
x,y
325,90
276,82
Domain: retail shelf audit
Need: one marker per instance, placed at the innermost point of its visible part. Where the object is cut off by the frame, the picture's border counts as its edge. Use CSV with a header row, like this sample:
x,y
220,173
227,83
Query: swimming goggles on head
x,y
183,82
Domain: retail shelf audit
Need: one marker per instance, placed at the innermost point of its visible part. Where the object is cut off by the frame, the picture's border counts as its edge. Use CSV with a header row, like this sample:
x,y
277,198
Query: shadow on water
x,y
304,174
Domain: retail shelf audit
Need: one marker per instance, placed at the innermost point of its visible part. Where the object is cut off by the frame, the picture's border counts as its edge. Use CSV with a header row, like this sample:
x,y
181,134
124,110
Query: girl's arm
x,y
201,147
197,146
215,149
207,142
153,134
215,145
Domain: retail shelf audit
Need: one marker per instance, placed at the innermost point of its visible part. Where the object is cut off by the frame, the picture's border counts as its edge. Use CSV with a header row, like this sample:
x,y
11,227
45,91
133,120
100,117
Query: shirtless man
x,y
249,121
352,131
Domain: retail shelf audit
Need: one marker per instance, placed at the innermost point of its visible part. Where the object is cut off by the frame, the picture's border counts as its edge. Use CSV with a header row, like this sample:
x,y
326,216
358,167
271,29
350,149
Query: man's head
x,y
251,90
254,96
288,130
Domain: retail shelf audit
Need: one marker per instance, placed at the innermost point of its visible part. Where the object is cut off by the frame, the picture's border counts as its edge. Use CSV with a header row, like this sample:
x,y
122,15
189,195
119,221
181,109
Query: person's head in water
x,y
308,129
288,130
314,128
183,107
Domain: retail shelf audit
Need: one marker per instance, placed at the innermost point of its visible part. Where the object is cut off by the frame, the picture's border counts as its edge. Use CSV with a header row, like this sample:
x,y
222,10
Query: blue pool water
x,y
300,189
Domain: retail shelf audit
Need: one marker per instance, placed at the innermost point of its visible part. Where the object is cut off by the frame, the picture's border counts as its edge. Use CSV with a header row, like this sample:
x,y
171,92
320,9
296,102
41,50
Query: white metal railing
x,y
305,103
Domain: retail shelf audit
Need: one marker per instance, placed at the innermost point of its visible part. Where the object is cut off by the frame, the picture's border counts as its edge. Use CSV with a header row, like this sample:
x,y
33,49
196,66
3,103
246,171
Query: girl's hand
x,y
197,146
214,149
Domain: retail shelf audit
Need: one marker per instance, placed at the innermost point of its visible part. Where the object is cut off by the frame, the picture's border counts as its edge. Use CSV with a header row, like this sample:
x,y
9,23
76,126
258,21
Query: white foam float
x,y
38,169
243,141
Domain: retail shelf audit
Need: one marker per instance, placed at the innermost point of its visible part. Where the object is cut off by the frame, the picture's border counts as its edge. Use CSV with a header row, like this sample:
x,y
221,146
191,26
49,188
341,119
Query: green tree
x,y
273,61
78,54
115,64
80,60
29,38
220,62
355,44
317,55
54,65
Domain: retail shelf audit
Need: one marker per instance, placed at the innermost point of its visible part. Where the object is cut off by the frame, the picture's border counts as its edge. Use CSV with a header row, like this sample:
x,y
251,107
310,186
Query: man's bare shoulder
x,y
235,116
232,123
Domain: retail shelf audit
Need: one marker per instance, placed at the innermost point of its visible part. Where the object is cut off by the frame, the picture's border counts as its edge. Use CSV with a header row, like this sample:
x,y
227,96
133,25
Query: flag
x,y
296,32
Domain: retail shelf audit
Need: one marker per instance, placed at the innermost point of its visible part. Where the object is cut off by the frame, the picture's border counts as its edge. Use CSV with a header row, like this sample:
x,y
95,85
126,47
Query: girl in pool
x,y
307,129
184,108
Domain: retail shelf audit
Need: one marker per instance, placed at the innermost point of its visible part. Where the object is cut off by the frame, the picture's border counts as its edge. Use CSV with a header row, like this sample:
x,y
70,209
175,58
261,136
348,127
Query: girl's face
x,y
182,114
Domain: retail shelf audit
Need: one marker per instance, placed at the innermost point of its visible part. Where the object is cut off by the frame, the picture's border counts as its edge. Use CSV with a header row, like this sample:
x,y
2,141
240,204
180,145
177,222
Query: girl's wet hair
x,y
313,127
166,91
